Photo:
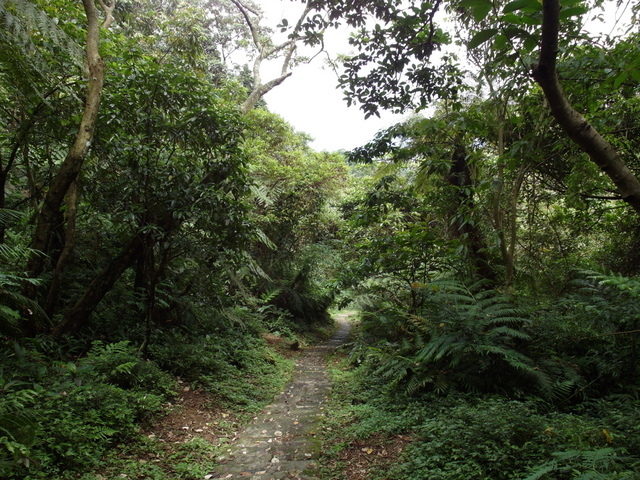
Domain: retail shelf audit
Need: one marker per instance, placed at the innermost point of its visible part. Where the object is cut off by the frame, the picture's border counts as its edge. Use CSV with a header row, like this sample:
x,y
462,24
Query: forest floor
x,y
281,442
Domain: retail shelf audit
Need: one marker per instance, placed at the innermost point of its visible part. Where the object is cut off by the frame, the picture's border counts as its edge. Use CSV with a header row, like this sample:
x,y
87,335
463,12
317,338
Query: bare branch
x,y
252,27
264,53
108,8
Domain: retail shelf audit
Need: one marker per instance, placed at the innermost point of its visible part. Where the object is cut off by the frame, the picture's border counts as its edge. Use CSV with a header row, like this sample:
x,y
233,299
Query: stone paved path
x,y
282,441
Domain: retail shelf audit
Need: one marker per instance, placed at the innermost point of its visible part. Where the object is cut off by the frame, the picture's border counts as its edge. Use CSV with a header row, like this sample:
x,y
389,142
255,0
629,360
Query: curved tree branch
x,y
264,53
581,132
68,171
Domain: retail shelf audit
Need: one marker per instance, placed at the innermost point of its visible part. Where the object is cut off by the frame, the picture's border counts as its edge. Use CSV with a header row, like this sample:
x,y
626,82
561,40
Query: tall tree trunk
x,y
581,132
497,212
50,212
466,228
65,254
68,171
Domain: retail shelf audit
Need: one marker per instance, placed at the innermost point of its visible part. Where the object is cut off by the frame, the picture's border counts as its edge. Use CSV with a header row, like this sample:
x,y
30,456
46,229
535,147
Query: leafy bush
x,y
229,360
495,438
458,437
65,415
589,336
18,427
460,337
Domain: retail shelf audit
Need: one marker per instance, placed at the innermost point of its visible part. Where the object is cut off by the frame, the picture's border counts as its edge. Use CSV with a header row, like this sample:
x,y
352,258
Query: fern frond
x,y
20,427
438,348
32,44
264,239
9,216
261,195
418,382
509,332
99,348
543,470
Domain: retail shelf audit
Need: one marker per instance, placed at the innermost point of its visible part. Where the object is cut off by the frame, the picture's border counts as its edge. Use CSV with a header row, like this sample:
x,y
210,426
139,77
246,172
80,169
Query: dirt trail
x,y
282,441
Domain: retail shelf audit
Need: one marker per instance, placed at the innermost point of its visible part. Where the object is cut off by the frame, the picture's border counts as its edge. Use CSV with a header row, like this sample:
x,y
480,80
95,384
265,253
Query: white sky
x,y
309,99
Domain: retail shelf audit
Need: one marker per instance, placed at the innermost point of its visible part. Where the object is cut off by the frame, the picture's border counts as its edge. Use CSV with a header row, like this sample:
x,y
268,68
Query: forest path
x,y
282,441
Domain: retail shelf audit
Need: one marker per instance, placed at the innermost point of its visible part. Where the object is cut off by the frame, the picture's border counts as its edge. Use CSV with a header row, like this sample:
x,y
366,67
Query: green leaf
x,y
500,42
481,11
526,5
572,12
620,79
514,19
529,44
474,3
480,8
481,37
515,32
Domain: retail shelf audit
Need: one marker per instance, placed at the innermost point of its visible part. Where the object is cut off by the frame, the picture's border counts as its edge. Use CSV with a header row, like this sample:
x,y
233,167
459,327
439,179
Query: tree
x,y
66,175
167,159
600,151
38,37
441,157
396,67
293,210
264,50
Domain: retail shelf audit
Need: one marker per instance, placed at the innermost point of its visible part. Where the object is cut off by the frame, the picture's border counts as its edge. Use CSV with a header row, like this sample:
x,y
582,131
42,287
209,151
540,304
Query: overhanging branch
x,y
579,130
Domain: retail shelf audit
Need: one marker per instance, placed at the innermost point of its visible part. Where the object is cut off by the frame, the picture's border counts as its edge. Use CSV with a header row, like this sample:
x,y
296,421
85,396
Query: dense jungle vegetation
x,y
158,224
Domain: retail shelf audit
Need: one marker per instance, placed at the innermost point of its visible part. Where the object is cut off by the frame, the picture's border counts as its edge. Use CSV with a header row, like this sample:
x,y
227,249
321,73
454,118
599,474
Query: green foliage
x,y
580,346
227,357
18,427
12,302
392,67
459,337
602,464
500,439
459,436
190,460
293,211
63,416
592,333
36,48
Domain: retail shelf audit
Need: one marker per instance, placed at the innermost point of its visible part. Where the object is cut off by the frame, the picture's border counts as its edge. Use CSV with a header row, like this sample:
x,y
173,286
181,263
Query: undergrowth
x,y
63,417
463,436
492,387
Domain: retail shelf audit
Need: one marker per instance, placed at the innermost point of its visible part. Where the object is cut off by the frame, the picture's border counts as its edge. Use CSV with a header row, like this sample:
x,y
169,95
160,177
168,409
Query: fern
x,y
18,425
463,337
36,49
601,464
14,302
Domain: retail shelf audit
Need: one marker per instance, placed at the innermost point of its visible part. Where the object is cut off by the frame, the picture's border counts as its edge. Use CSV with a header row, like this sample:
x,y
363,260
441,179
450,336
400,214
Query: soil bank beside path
x,y
282,441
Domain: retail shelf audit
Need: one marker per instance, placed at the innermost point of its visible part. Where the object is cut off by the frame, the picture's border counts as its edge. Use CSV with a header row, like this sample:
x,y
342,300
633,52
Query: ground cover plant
x,y
556,399
460,435
63,418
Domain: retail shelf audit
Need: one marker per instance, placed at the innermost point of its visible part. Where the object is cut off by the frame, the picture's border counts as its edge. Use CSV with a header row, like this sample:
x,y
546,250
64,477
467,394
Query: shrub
x,y
63,416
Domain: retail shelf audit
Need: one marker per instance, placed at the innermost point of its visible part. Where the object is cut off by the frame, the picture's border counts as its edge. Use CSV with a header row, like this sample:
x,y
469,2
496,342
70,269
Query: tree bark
x,y
45,223
65,254
581,132
467,229
289,47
